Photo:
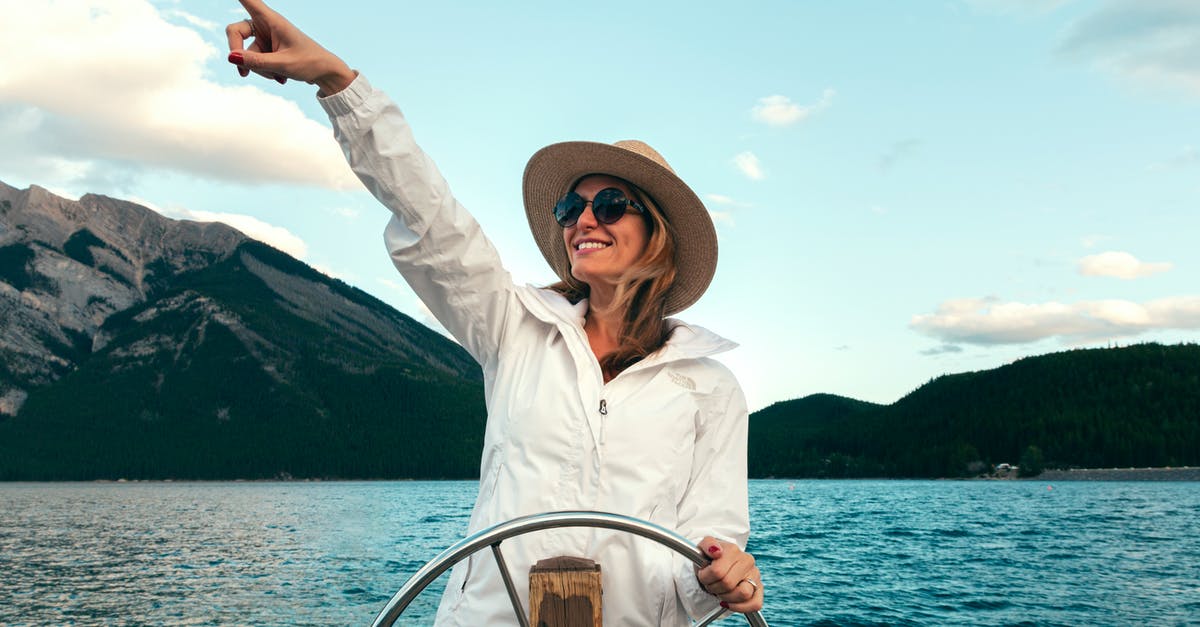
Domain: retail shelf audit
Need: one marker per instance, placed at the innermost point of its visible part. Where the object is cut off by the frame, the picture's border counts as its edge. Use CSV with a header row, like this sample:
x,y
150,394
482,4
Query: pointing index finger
x,y
255,8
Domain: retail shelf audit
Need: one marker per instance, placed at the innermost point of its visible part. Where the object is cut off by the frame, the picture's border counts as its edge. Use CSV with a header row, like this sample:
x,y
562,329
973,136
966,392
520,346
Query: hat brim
x,y
553,170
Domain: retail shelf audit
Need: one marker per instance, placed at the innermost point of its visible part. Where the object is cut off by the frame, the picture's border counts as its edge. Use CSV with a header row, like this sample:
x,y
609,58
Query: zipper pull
x,y
603,422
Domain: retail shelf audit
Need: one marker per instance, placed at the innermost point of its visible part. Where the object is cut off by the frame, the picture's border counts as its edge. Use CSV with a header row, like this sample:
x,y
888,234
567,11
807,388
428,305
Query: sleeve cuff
x,y
348,99
697,602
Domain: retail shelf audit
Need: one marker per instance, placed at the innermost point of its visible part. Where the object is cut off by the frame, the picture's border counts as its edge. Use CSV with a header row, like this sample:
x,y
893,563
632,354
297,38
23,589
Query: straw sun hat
x,y
554,170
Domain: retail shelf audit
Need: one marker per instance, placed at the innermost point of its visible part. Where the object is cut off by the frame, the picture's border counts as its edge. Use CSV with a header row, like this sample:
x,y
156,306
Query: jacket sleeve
x,y
715,502
434,242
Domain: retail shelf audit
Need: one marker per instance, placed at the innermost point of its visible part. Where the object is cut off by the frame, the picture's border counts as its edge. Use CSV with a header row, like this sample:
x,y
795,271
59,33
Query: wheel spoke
x,y
508,585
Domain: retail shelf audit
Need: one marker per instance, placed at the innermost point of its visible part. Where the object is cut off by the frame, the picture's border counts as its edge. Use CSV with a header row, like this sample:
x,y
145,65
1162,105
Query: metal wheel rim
x,y
493,536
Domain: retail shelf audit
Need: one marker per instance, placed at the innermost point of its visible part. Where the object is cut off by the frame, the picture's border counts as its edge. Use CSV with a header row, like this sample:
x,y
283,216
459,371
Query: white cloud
x,y
112,82
747,162
1146,41
1119,264
346,212
728,201
196,21
396,286
986,321
781,111
942,350
62,193
1090,241
328,271
722,217
276,236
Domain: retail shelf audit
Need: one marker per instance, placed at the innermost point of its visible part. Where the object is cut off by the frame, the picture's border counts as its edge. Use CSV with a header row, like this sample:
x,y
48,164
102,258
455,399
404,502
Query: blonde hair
x,y
640,294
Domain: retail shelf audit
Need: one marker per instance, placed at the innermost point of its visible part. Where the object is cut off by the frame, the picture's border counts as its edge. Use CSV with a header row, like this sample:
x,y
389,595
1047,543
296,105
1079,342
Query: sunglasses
x,y
608,206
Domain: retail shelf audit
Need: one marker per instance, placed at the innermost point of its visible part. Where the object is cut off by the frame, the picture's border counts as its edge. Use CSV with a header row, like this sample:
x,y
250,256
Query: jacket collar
x,y
687,341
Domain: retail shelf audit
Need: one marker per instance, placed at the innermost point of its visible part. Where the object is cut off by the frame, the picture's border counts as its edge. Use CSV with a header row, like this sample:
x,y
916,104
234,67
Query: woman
x,y
595,399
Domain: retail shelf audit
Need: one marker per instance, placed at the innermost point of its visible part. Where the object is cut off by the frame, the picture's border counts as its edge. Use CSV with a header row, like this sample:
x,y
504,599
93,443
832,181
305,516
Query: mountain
x,y
66,266
136,346
1117,407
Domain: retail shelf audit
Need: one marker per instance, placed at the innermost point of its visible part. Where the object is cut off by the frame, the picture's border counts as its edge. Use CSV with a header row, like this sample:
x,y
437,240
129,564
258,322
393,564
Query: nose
x,y
587,219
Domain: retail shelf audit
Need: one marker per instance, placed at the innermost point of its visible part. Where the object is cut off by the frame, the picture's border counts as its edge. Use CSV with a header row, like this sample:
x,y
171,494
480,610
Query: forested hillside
x,y
219,379
1131,406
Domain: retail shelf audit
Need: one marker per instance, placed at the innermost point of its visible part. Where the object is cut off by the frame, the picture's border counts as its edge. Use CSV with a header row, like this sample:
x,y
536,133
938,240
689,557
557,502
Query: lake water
x,y
832,552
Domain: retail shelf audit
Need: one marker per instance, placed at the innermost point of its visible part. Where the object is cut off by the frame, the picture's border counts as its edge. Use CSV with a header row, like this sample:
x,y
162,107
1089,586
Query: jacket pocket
x,y
460,575
456,587
487,492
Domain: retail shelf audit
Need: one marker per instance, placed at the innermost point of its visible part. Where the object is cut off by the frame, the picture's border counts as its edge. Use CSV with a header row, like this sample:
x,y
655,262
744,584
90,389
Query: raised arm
x,y
434,242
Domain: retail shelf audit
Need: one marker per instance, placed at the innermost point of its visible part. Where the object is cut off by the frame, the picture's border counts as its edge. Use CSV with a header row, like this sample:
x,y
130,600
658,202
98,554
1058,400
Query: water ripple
x,y
832,553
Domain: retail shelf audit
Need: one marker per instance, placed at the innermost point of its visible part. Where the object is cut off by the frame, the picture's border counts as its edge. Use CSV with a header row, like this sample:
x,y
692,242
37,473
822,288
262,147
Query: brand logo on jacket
x,y
681,380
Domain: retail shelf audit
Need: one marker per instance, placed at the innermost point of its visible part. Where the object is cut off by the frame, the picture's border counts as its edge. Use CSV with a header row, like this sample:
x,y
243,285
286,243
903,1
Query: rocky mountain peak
x,y
102,286
67,265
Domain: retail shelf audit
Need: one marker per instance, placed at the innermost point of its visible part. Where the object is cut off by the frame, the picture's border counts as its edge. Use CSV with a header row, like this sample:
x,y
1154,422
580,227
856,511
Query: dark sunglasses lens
x,y
567,211
609,205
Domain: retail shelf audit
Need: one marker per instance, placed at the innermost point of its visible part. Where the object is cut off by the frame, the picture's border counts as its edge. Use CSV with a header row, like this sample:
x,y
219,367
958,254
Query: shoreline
x,y
1178,473
1183,473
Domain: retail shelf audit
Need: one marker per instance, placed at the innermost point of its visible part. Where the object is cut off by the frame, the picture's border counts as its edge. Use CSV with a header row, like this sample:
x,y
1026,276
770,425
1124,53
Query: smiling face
x,y
601,253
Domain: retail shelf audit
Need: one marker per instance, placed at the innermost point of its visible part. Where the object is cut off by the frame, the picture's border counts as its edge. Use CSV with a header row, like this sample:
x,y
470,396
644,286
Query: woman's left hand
x,y
282,51
731,576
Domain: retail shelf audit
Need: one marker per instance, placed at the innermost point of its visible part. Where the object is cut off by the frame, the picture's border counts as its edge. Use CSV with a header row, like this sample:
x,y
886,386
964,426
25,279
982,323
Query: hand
x,y
281,51
731,576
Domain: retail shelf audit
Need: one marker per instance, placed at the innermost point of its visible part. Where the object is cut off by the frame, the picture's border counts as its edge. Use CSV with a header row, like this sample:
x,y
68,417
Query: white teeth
x,y
586,245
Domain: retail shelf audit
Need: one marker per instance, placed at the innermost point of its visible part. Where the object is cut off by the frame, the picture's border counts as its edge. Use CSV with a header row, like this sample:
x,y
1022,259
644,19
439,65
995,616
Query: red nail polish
x,y
281,80
235,58
714,549
724,605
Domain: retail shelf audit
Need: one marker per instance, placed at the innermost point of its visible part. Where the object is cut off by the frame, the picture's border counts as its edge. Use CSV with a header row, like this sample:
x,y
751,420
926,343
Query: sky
x,y
901,190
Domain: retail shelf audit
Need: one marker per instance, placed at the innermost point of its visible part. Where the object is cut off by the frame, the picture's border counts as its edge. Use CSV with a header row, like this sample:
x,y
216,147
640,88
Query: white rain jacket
x,y
664,441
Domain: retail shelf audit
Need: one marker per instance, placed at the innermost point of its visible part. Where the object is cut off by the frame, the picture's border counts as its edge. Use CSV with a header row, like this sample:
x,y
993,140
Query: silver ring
x,y
752,584
251,23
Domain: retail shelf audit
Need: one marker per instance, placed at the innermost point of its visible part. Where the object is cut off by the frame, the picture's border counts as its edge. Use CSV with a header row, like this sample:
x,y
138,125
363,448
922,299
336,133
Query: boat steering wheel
x,y
494,535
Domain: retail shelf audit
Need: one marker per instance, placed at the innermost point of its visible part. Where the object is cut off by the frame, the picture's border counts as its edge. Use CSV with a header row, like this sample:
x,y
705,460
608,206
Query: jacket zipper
x,y
603,414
